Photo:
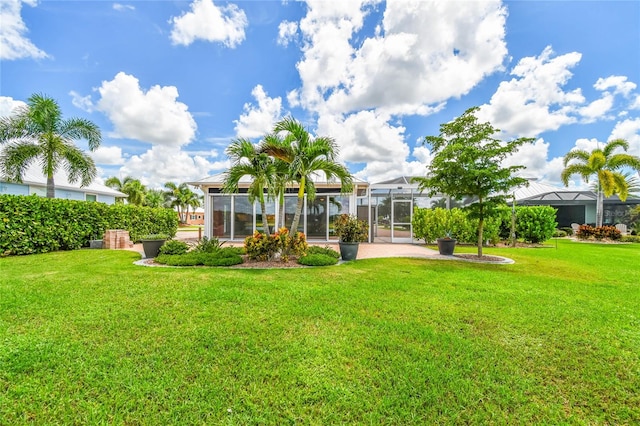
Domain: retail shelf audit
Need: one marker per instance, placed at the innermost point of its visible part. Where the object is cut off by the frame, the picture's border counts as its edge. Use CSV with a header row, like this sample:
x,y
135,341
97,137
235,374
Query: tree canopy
x,y
37,132
468,162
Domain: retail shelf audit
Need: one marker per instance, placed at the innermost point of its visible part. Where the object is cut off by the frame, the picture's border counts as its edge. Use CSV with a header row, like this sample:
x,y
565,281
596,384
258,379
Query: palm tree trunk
x,y
281,223
296,217
599,207
265,222
51,187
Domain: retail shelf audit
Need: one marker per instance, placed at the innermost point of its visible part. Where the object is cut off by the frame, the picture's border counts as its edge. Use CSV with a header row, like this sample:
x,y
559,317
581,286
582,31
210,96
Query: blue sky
x,y
171,83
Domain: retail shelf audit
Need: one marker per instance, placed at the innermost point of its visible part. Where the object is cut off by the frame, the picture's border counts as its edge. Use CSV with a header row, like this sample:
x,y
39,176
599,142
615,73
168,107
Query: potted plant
x,y
446,245
351,232
151,244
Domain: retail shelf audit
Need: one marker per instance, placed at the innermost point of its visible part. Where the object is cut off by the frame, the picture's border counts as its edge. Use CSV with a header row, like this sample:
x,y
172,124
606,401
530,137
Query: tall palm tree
x,y
248,161
181,197
37,132
134,189
605,165
306,157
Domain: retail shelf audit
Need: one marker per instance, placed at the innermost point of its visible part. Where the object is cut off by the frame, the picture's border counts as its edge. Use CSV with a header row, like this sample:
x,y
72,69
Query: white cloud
x,y
422,54
13,41
154,116
598,109
257,121
533,101
628,130
107,155
9,105
618,83
208,22
365,136
163,164
286,32
123,7
427,53
83,102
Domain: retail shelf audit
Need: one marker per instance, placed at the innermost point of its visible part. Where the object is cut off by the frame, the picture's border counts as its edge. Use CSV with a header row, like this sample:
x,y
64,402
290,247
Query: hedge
x,y
32,224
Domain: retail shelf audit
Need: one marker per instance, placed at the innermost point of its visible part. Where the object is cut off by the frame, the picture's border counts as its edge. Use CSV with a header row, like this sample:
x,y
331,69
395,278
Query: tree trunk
x,y
265,222
296,217
480,229
599,207
51,188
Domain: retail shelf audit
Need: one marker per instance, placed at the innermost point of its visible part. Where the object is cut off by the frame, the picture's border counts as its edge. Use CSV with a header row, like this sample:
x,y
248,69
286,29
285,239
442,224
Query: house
x,y
233,217
196,217
387,207
574,206
34,182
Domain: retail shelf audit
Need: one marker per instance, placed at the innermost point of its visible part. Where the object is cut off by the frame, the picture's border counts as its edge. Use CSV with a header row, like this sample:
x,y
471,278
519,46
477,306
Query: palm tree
x,y
248,161
134,189
181,197
605,165
306,157
37,132
154,198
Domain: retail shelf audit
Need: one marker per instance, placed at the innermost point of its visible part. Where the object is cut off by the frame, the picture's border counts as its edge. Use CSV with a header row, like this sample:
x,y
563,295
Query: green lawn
x,y
86,337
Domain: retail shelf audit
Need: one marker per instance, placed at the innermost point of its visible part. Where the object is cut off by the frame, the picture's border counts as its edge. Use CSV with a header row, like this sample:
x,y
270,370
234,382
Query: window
x,y
91,197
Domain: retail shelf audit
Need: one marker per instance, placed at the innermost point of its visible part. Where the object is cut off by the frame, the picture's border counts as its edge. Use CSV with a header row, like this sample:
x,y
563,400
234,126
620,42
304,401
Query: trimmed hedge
x,y
223,257
32,224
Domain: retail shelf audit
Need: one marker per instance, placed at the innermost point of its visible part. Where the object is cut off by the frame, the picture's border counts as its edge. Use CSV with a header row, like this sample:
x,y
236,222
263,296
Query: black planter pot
x,y
151,247
446,246
348,251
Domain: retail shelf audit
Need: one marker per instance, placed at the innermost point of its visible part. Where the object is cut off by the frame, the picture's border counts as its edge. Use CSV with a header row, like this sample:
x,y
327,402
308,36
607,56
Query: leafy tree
x,y
606,166
467,163
181,197
135,190
248,161
154,198
37,132
306,156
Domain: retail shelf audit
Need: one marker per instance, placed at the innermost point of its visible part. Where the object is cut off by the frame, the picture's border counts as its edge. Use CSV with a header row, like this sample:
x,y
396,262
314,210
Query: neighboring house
x,y
196,217
574,206
36,183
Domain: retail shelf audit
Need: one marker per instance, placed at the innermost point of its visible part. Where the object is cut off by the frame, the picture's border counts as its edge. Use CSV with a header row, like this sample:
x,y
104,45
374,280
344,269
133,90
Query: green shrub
x,y
559,233
326,250
567,229
630,238
174,247
535,224
223,257
317,260
431,224
208,245
32,224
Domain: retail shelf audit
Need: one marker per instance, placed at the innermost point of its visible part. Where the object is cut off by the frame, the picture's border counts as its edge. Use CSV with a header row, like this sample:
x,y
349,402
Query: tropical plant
x,y
154,198
606,166
135,190
306,157
248,161
467,163
181,198
351,230
37,133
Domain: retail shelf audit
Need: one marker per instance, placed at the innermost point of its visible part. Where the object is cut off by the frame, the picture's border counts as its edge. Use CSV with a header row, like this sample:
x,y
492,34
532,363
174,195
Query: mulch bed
x,y
483,258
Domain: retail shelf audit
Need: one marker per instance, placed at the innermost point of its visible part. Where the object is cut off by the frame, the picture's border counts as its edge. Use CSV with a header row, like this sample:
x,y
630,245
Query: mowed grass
x,y
87,337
